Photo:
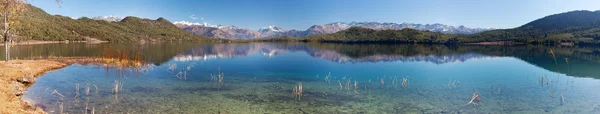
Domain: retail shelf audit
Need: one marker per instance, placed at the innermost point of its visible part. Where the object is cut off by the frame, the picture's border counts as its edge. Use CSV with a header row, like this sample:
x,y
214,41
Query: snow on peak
x,y
271,28
110,18
186,23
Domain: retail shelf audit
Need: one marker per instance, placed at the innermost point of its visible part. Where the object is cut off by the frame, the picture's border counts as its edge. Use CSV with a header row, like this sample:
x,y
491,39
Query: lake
x,y
321,78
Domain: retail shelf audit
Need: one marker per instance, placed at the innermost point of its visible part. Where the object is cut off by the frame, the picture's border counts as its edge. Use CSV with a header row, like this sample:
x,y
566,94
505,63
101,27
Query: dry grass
x,y
10,72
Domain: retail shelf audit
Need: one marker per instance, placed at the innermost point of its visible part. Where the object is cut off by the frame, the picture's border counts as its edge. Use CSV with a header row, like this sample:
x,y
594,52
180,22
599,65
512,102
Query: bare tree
x,y
11,11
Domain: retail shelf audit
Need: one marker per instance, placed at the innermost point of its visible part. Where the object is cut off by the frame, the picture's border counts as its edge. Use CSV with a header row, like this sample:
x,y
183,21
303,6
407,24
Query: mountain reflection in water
x,y
584,60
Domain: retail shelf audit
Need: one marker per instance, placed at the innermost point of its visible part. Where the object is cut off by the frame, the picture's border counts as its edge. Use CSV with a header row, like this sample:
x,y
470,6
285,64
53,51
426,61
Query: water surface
x,y
260,77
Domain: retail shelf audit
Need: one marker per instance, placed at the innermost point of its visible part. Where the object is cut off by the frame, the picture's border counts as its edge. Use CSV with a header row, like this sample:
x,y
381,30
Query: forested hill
x,y
36,24
359,34
574,26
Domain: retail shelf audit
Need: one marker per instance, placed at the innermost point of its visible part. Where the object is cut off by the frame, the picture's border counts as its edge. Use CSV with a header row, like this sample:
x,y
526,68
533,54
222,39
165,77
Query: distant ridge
x,y
566,28
579,26
274,31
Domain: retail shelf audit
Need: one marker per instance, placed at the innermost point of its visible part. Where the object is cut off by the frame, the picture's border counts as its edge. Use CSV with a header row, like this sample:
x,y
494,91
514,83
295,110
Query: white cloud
x,y
193,17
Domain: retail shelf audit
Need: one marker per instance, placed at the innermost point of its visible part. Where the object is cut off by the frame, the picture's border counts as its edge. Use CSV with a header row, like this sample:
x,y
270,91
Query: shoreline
x,y
37,42
496,43
17,75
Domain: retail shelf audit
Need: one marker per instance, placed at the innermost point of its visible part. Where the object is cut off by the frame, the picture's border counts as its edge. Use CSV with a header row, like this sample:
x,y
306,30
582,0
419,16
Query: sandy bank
x,y
15,77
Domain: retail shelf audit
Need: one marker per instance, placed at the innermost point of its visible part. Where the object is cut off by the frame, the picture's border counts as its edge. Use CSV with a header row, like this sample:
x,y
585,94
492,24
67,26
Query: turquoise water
x,y
259,78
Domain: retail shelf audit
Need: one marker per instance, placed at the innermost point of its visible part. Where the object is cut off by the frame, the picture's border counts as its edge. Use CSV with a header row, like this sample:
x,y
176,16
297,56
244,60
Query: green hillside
x,y
359,34
36,24
574,26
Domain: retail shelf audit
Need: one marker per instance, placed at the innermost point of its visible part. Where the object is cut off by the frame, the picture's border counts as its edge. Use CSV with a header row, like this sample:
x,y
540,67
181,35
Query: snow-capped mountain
x,y
110,18
429,27
217,31
271,28
185,23
224,31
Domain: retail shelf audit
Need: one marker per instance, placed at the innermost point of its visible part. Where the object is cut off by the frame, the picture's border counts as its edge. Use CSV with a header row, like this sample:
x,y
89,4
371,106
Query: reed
x,y
121,60
96,89
297,91
567,61
340,83
87,90
382,81
348,83
213,77
557,76
76,90
475,98
61,108
87,101
137,61
172,68
356,86
449,84
62,97
180,75
394,81
562,98
116,87
404,82
220,79
328,78
548,81
541,80
499,87
452,84
76,94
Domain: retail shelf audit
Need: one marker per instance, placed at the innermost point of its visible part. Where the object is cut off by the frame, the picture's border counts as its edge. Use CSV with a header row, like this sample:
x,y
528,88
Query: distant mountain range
x,y
220,31
35,24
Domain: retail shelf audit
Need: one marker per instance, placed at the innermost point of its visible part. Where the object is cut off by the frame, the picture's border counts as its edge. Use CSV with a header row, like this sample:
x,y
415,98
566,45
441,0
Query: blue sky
x,y
301,14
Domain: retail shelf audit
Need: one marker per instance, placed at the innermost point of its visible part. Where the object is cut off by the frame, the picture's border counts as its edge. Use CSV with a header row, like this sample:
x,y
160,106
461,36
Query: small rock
x,y
19,88
26,79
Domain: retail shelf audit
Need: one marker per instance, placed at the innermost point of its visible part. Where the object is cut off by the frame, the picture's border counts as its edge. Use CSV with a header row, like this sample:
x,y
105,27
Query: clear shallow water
x,y
258,78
